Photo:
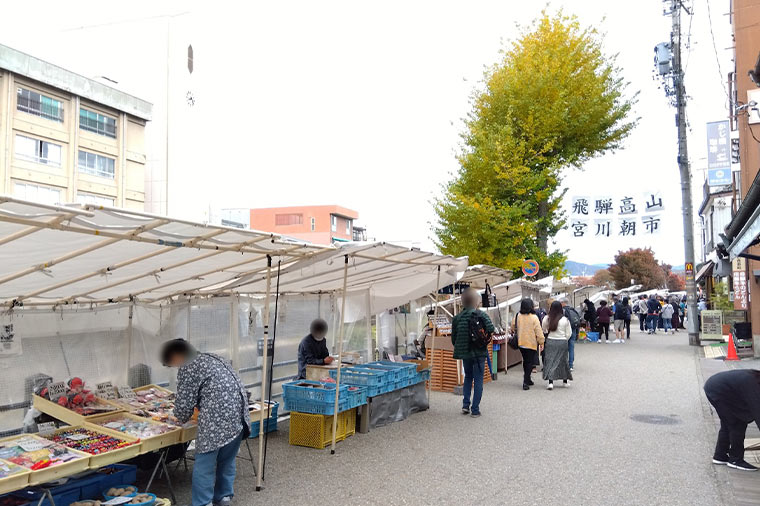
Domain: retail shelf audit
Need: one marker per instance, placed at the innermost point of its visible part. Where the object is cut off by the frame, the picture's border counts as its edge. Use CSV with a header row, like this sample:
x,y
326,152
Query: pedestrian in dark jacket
x,y
589,314
653,313
473,358
313,348
735,395
603,315
209,383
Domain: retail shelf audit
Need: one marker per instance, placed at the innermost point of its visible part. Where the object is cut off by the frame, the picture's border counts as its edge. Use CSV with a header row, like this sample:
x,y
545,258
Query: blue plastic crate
x,y
592,336
270,425
100,481
394,373
62,495
325,392
408,370
360,376
357,396
316,407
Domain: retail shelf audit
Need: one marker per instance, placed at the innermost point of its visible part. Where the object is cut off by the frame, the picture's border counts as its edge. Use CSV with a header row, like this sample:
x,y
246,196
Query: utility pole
x,y
678,92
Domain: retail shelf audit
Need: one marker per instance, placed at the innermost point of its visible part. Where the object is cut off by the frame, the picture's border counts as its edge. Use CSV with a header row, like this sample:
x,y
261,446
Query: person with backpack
x,y
575,322
653,314
471,330
558,330
622,313
530,337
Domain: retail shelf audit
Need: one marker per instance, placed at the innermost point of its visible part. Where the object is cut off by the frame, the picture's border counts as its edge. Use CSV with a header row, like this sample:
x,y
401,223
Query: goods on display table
x,y
12,476
105,448
120,491
152,435
156,403
70,401
45,459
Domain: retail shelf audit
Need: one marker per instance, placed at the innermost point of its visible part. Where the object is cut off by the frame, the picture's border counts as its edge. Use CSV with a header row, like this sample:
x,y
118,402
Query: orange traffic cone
x,y
731,355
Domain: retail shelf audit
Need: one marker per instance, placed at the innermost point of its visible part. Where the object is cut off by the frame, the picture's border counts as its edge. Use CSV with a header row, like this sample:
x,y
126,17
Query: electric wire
x,y
715,50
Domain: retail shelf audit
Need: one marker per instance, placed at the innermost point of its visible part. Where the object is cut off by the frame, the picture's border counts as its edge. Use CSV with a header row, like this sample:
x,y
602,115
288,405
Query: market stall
x,y
92,292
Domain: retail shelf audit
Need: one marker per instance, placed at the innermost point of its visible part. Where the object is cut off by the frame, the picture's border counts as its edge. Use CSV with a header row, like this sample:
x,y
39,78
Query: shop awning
x,y
478,275
92,254
704,271
392,275
744,229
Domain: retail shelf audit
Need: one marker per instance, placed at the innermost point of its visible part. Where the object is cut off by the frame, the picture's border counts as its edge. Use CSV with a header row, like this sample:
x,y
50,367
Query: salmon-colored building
x,y
316,224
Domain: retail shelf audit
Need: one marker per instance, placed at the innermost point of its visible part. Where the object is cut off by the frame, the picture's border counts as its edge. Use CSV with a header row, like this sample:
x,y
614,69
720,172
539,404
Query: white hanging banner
x,y
617,216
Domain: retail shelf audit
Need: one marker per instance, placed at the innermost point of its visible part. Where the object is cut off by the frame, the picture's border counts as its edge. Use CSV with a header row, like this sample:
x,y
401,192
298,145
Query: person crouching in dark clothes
x,y
313,348
735,395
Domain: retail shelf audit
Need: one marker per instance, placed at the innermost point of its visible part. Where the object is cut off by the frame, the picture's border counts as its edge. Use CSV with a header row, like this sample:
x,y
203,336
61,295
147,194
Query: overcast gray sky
x,y
360,103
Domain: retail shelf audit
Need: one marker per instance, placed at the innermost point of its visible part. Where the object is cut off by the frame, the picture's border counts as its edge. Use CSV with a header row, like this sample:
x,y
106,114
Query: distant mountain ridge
x,y
581,269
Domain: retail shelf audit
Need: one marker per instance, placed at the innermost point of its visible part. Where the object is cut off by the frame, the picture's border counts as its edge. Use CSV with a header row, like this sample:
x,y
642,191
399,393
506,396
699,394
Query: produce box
x,y
105,448
421,364
46,460
64,414
107,477
12,476
315,431
152,434
157,403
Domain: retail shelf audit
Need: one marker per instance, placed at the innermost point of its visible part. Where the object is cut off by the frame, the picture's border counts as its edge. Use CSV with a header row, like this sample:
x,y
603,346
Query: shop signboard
x,y
718,154
741,289
712,324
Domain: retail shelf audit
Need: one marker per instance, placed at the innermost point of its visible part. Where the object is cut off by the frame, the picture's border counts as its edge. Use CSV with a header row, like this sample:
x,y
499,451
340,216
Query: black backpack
x,y
572,315
479,336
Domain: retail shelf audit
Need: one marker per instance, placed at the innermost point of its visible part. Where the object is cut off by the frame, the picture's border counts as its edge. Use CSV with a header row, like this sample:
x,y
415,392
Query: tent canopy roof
x,y
478,275
95,254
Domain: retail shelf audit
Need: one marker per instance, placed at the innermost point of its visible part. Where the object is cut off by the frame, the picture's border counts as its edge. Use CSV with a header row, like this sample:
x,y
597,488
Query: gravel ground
x,y
575,446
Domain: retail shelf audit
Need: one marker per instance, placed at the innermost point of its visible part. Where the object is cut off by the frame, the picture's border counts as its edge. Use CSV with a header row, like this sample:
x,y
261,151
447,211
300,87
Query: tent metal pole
x,y
234,333
435,326
368,314
264,373
340,353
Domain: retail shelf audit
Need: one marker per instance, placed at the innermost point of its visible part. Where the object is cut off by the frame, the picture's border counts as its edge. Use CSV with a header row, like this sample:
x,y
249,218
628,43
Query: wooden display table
x,y
444,375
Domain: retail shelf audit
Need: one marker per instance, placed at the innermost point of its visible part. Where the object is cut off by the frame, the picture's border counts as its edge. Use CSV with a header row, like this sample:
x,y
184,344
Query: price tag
x,y
126,392
31,444
56,390
46,428
77,437
118,500
106,391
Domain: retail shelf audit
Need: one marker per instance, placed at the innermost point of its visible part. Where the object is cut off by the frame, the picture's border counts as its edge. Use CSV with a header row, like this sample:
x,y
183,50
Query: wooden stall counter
x,y
445,374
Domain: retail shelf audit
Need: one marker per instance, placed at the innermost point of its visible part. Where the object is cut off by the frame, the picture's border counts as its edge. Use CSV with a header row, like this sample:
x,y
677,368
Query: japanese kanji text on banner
x,y
625,216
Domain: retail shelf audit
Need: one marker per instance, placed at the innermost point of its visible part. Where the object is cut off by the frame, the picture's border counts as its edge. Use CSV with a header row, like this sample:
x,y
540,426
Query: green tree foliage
x,y
639,265
553,102
720,297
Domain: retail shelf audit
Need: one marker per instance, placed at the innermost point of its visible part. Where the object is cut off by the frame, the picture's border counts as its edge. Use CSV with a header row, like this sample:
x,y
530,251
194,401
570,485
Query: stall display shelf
x,y
147,444
17,480
188,432
66,415
80,462
106,458
315,431
444,377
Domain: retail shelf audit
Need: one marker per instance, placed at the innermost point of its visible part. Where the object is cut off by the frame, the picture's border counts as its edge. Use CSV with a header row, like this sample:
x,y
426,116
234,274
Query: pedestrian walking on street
x,y
468,322
667,317
653,314
558,330
682,311
735,395
622,313
589,314
629,315
575,324
676,320
530,336
642,303
603,315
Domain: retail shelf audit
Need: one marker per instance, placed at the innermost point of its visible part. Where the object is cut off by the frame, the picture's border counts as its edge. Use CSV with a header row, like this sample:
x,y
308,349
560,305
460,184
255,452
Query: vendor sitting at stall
x,y
313,348
208,382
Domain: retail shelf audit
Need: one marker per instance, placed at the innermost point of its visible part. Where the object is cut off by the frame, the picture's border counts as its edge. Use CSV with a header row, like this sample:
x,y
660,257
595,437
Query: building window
x,y
96,165
37,193
288,219
333,223
92,199
32,102
313,224
97,123
348,227
38,151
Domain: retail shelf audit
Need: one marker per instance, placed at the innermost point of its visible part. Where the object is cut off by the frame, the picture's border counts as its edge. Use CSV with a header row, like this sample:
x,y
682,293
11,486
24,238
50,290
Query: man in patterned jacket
x,y
208,382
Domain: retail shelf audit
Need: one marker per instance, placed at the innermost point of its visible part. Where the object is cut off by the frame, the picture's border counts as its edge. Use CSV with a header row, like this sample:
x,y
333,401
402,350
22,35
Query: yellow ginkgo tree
x,y
552,103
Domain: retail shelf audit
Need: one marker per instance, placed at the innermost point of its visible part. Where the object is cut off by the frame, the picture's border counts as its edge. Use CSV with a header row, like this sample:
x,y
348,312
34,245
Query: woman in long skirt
x,y
558,330
676,320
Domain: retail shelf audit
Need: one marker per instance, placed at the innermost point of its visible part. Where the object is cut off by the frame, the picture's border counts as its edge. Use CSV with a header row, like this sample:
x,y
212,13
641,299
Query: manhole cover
x,y
656,419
